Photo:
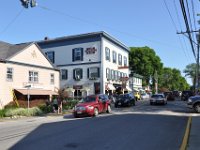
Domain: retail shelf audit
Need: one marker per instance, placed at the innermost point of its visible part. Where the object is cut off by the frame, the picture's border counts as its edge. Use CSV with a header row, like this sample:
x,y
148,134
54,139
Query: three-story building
x,y
89,63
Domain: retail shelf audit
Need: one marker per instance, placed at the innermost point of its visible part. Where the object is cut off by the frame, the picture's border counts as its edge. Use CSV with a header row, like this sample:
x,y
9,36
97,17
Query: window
x,y
114,57
51,56
108,73
77,54
115,75
107,54
9,75
118,75
33,76
52,78
78,74
93,72
119,59
64,74
125,61
112,75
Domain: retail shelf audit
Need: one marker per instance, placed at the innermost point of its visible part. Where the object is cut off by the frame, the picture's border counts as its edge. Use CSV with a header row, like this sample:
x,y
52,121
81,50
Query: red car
x,y
92,105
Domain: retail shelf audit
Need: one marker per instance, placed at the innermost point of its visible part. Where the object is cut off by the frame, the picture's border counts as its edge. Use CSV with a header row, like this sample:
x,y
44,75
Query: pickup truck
x,y
194,102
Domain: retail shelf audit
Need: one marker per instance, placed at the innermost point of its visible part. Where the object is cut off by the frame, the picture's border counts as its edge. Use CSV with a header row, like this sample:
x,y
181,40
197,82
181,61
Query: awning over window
x,y
110,87
36,92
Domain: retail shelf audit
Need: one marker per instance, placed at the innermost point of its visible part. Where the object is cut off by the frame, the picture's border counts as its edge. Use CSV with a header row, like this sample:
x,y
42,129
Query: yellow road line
x,y
187,133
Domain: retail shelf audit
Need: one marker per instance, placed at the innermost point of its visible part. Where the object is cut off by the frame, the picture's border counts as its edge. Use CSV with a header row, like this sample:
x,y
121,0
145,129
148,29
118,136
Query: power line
x,y
173,22
12,21
102,26
187,26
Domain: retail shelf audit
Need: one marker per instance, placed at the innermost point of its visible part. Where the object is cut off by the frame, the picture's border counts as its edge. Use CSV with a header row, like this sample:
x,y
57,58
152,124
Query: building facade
x,y
89,63
22,66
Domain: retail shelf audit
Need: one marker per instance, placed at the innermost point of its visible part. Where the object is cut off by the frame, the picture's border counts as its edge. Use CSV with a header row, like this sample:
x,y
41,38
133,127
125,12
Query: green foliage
x,y
69,103
22,112
145,62
46,109
190,71
2,113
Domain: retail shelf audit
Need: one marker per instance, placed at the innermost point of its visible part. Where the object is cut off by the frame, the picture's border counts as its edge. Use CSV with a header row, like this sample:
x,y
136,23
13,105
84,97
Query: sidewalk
x,y
194,138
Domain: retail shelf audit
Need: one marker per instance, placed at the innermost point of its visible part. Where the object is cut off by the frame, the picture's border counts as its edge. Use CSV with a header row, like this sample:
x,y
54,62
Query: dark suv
x,y
127,99
186,94
194,102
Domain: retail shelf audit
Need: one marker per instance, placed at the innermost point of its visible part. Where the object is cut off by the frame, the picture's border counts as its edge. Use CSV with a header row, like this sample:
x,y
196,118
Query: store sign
x,y
77,87
91,50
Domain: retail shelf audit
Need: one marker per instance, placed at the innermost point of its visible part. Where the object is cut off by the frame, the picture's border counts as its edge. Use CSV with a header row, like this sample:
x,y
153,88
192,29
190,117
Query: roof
x,y
7,50
71,37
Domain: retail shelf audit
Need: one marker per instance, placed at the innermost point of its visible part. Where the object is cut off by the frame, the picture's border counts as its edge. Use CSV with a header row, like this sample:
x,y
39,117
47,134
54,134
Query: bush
x,y
23,112
69,103
2,113
46,109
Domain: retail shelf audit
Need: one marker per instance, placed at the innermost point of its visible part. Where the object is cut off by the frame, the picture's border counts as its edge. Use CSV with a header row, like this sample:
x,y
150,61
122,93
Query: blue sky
x,y
135,23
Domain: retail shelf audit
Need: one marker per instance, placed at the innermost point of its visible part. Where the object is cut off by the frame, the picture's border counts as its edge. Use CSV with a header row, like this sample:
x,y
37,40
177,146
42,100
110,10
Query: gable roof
x,y
7,50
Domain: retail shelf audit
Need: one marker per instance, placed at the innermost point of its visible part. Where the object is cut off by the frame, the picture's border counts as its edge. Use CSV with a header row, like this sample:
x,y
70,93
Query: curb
x,y
186,135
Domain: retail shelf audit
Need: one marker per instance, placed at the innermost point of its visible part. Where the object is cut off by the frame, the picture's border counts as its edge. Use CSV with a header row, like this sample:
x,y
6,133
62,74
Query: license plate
x,y
79,112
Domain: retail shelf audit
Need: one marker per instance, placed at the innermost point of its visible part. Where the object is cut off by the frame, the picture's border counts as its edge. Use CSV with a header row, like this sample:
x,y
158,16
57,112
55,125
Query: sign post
x,y
28,95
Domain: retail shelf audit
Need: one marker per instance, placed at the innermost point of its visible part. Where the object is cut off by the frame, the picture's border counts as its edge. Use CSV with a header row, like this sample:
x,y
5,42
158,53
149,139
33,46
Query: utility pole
x,y
156,81
197,74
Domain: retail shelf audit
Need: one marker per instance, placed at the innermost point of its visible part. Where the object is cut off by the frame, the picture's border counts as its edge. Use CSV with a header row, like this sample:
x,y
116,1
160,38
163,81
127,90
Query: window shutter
x,y
88,72
74,74
53,57
82,54
66,74
73,50
98,72
81,76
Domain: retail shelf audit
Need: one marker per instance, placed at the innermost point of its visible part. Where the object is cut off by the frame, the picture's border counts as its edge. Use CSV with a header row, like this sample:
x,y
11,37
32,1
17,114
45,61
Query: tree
x,y
144,61
171,79
190,71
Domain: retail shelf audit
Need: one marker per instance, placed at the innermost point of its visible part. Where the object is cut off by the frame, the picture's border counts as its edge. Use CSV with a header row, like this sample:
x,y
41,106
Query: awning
x,y
69,89
136,89
85,89
110,87
128,88
36,92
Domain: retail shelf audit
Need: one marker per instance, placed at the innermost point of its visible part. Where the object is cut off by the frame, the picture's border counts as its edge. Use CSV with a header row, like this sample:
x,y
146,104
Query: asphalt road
x,y
135,128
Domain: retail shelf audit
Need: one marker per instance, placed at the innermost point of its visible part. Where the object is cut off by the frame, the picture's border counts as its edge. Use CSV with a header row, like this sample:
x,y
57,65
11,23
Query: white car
x,y
158,99
145,96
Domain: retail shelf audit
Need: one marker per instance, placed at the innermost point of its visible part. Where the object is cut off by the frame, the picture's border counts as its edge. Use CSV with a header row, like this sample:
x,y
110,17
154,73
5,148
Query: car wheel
x,y
197,108
108,109
96,112
151,103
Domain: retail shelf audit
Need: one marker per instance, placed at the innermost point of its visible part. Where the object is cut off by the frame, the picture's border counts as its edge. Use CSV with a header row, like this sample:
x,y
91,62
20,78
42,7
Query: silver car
x,y
158,99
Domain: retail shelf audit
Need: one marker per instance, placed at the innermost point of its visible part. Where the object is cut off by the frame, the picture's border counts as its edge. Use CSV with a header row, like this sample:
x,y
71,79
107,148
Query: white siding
x,y
63,54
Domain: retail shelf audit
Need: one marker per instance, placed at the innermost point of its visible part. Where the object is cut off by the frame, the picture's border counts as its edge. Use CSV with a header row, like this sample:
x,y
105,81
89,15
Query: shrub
x,y
2,113
46,109
69,103
23,112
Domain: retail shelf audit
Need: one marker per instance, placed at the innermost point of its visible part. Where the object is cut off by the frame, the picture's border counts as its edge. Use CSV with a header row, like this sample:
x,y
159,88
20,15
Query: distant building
x,y
89,63
24,65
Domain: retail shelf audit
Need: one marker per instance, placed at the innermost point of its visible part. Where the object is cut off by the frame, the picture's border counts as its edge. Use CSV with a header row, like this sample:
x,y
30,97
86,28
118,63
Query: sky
x,y
136,23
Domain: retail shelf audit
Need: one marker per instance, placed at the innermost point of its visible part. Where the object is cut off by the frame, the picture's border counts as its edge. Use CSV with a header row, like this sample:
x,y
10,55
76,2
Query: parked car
x,y
145,96
186,94
169,96
125,100
92,105
137,95
194,103
158,99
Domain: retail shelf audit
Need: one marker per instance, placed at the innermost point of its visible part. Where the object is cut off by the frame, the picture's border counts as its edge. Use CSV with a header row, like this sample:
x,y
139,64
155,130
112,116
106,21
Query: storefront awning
x,y
36,92
110,87
128,88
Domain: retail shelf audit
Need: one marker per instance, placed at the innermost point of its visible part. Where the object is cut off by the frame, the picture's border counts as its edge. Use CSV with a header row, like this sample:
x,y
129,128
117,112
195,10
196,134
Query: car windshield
x,y
157,96
88,99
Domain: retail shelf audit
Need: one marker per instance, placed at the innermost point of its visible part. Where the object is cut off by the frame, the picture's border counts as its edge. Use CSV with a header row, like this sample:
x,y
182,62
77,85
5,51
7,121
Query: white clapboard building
x,y
90,63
